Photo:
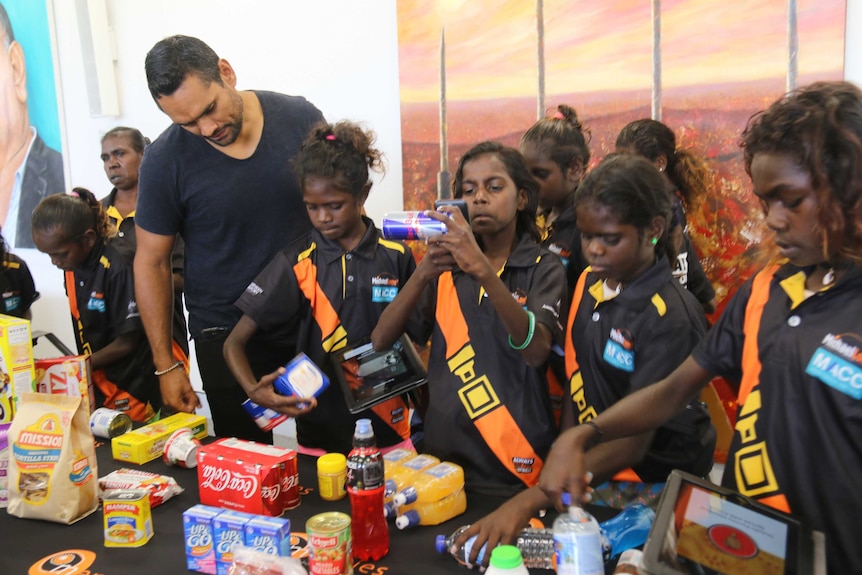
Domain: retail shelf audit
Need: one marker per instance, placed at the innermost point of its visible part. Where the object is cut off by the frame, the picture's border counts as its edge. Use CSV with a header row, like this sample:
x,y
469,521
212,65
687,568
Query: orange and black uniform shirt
x,y
616,346
798,440
16,286
562,238
127,241
101,296
488,410
333,298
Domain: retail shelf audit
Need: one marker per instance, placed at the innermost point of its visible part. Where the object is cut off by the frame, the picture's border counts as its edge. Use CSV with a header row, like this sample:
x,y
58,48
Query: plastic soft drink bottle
x,y
578,542
365,487
506,560
436,495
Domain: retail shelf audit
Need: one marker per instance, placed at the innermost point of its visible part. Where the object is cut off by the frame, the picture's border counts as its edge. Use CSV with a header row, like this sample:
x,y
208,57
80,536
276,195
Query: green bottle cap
x,y
506,557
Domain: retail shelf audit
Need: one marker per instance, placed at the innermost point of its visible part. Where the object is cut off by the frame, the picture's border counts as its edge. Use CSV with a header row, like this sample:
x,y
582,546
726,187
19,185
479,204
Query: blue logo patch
x,y
619,357
383,294
96,304
13,303
836,372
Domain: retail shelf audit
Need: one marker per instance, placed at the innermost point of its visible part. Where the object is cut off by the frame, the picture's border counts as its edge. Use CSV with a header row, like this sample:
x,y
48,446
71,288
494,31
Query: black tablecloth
x,y
25,543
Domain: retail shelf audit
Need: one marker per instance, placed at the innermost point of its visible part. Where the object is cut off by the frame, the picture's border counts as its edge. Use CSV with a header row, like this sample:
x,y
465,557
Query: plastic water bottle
x,y
536,547
578,542
626,530
506,560
365,487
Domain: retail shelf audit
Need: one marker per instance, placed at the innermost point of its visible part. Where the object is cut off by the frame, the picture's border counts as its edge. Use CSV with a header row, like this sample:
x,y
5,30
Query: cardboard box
x,y
16,363
147,443
198,530
68,375
270,535
228,533
248,476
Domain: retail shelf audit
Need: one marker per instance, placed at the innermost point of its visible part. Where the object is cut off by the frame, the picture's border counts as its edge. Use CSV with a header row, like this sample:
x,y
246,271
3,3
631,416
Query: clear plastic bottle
x,y
578,542
365,486
536,547
506,560
626,530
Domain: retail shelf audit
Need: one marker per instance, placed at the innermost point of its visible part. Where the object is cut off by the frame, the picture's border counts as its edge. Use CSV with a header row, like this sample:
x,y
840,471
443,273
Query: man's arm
x,y
155,295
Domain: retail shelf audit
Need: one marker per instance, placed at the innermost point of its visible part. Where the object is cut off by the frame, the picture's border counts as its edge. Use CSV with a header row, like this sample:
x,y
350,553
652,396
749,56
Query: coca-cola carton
x,y
248,480
286,459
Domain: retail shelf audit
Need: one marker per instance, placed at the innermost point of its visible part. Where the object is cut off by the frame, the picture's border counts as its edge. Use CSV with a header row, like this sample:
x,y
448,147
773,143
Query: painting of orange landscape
x,y
720,63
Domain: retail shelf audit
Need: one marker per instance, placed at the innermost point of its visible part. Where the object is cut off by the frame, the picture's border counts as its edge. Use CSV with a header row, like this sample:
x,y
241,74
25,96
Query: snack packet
x,y
160,487
52,460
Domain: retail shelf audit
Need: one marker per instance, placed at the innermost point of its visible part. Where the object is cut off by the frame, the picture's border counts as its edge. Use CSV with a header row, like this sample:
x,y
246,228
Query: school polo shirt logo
x,y
838,363
619,350
384,288
97,302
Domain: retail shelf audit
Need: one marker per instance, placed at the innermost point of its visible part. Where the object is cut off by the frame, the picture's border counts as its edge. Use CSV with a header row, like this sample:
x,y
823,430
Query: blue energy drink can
x,y
411,226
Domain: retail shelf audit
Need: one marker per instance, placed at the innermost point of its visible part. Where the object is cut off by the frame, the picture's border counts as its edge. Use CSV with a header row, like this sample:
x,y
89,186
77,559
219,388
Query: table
x,y
25,543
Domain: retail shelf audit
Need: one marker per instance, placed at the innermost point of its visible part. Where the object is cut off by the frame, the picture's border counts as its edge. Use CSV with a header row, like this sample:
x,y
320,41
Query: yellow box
x,y
16,363
68,375
148,442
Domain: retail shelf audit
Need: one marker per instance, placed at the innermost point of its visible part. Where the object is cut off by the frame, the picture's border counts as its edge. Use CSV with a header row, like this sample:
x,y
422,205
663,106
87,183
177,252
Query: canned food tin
x,y
411,226
329,543
181,449
128,522
108,423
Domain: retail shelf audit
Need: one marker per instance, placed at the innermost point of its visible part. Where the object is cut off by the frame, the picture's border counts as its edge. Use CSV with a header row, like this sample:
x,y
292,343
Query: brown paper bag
x,y
52,460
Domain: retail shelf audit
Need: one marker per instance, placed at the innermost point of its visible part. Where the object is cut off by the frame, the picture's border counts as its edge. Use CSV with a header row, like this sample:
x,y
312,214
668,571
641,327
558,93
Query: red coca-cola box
x,y
248,476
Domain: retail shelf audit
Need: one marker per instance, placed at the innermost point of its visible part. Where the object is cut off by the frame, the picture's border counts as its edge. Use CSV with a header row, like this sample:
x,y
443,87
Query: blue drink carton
x,y
198,529
301,378
228,533
269,535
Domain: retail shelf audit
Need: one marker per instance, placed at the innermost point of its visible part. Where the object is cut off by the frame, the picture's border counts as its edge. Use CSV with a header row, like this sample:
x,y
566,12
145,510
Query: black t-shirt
x,y
16,286
234,215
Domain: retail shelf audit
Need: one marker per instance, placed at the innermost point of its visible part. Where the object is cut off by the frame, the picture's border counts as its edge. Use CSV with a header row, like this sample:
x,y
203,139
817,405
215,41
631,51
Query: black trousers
x,y
224,393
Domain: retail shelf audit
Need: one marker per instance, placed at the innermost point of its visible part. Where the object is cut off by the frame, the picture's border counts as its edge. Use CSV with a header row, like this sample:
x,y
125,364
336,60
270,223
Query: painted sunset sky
x,y
605,46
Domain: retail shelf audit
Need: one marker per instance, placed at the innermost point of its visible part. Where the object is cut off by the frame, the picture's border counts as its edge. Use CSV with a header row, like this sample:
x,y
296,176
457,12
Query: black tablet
x,y
703,529
368,377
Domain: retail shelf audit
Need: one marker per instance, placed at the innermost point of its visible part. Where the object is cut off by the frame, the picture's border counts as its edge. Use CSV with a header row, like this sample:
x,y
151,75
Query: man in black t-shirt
x,y
220,177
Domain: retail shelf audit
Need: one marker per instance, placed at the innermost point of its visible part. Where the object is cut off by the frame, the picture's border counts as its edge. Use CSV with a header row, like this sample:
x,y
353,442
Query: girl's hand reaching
x,y
564,468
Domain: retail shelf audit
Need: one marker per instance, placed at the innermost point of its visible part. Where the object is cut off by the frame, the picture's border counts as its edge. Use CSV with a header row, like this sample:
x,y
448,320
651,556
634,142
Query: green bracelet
x,y
531,330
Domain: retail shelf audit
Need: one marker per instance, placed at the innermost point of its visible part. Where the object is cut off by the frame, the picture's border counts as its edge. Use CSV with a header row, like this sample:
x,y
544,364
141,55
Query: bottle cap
x,y
506,557
440,544
567,498
363,429
409,519
331,463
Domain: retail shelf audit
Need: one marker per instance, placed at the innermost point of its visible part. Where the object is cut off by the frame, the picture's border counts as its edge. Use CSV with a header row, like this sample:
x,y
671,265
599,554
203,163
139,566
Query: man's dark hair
x,y
6,27
172,59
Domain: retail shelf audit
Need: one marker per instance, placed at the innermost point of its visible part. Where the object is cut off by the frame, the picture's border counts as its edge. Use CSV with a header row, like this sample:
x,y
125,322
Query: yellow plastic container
x,y
404,474
332,476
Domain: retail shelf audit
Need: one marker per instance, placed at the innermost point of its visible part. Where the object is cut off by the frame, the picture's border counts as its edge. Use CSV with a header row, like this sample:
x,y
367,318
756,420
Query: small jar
x,y
332,476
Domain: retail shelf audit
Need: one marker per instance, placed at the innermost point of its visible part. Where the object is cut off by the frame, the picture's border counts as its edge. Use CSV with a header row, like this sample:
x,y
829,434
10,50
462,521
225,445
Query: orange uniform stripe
x,y
751,327
498,428
571,357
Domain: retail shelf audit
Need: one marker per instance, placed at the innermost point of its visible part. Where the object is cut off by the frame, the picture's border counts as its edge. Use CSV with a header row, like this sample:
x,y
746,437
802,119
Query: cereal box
x,y
198,529
4,464
228,533
16,363
148,442
269,535
128,521
69,375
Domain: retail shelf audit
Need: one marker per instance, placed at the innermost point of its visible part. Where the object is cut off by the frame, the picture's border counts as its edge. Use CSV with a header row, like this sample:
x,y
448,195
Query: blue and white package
x,y
301,378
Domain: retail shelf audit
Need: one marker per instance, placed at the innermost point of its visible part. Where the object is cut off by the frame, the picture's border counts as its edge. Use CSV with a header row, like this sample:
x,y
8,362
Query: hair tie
x,y
559,115
330,137
74,194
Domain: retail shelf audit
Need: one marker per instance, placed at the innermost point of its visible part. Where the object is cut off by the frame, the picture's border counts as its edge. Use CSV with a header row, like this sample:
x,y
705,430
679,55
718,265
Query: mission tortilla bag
x,y
52,460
